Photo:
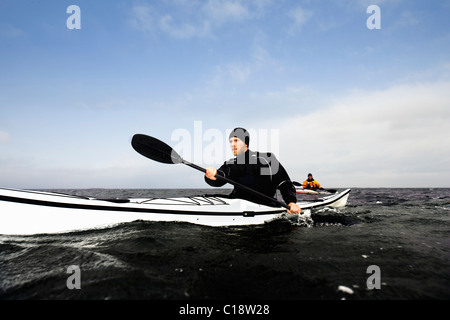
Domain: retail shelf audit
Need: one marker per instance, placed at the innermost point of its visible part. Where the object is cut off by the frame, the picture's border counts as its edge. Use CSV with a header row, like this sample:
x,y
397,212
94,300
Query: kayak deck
x,y
31,212
300,190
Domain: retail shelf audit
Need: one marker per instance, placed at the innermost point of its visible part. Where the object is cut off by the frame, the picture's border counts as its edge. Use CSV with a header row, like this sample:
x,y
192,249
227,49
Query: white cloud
x,y
238,72
9,31
184,31
394,138
220,10
4,137
151,21
405,20
359,5
299,18
143,18
189,19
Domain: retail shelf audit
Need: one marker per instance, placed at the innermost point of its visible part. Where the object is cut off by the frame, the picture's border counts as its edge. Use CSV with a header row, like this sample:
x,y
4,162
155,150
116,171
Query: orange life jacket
x,y
311,185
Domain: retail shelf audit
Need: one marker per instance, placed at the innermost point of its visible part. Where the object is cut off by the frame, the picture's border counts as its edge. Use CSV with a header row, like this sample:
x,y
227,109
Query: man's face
x,y
237,146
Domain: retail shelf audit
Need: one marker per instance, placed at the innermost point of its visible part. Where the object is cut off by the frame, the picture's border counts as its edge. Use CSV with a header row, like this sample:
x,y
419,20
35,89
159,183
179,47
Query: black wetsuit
x,y
259,171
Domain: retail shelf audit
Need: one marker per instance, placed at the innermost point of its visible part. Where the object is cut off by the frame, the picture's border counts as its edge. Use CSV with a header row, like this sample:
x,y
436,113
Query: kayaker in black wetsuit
x,y
259,171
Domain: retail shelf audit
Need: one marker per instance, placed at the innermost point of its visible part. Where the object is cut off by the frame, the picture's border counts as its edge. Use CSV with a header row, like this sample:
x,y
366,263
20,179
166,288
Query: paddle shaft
x,y
237,184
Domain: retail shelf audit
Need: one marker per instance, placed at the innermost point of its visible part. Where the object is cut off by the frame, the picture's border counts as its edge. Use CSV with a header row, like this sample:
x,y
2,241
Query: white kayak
x,y
34,212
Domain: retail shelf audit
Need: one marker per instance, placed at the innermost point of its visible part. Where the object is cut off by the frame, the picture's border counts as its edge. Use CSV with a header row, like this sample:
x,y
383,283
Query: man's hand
x,y
294,208
211,173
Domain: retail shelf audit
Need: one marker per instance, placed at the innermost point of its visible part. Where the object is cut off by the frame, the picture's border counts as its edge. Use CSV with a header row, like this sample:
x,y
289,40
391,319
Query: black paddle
x,y
298,184
157,150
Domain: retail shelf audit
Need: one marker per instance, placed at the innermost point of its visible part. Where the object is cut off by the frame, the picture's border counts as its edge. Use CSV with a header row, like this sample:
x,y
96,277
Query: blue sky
x,y
355,106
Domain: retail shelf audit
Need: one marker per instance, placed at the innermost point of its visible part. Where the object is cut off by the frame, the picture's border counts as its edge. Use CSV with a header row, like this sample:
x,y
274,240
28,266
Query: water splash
x,y
304,219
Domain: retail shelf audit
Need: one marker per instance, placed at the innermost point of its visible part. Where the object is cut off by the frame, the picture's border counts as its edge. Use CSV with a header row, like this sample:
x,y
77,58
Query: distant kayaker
x,y
259,171
310,183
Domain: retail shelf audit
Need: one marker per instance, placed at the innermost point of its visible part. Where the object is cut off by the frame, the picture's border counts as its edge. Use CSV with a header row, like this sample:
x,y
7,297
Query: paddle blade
x,y
155,149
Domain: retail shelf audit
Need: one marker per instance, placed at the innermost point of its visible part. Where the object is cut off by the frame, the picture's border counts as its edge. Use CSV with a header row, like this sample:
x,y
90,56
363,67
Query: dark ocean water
x,y
403,232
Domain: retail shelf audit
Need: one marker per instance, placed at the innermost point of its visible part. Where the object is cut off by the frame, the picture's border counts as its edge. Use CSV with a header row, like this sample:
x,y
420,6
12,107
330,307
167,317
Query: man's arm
x,y
211,176
287,190
281,180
